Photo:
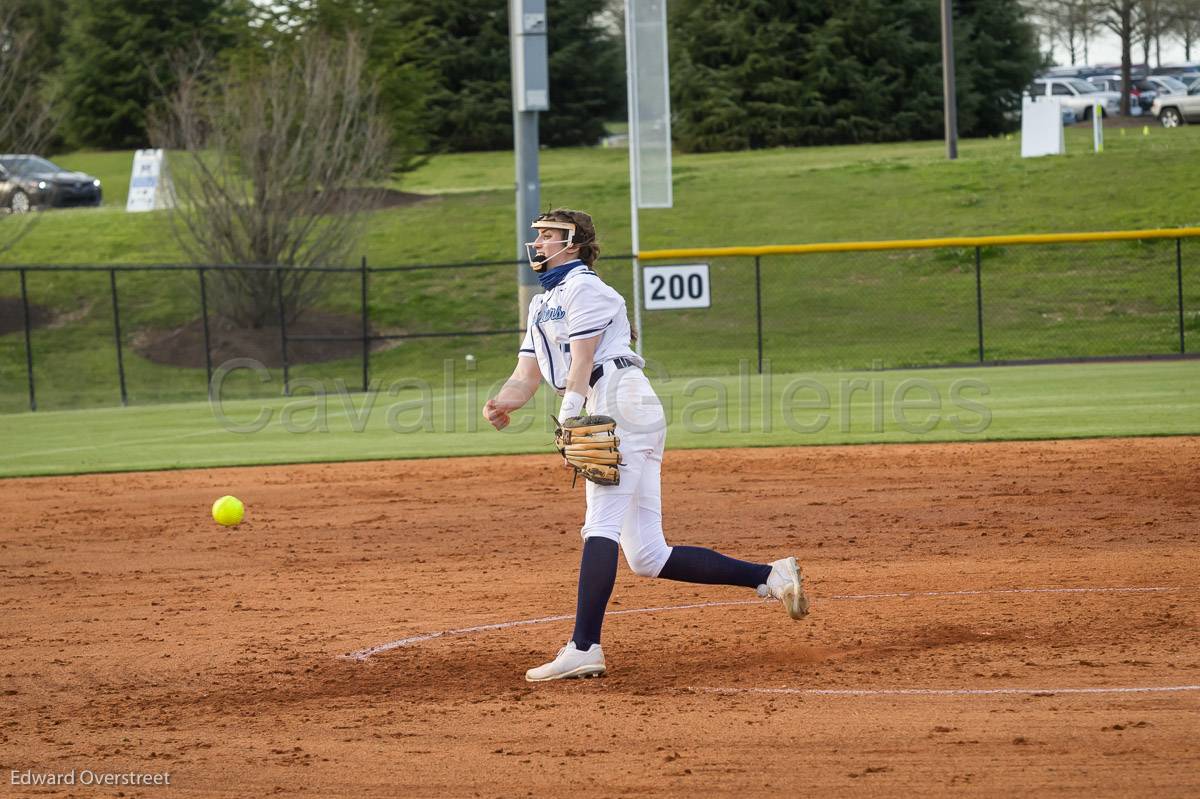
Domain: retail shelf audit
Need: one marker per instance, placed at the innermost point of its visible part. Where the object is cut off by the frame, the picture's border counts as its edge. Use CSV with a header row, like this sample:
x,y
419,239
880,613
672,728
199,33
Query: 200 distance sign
x,y
681,286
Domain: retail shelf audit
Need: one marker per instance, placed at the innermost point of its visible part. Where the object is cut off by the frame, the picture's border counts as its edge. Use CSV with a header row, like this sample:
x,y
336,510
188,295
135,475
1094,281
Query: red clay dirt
x,y
138,636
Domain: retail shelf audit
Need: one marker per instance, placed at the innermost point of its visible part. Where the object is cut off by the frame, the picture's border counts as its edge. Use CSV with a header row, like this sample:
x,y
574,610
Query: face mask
x,y
538,261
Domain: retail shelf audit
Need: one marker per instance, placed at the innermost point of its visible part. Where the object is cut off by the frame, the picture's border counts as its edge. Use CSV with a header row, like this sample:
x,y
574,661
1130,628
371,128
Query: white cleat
x,y
784,583
570,663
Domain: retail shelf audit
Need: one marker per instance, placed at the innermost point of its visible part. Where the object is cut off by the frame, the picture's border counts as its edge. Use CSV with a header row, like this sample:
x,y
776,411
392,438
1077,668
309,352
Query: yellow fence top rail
x,y
918,244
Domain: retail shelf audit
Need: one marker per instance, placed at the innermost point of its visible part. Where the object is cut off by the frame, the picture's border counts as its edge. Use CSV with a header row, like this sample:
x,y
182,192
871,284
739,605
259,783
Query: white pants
x,y
631,513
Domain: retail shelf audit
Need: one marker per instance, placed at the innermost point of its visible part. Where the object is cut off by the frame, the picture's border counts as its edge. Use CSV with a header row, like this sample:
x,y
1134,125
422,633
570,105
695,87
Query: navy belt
x,y
618,363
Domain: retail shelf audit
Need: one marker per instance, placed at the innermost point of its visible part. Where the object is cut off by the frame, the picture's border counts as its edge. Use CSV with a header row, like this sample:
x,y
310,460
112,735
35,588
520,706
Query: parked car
x,y
1013,115
1073,72
1078,95
1141,93
1177,70
1187,78
1174,110
1168,84
29,181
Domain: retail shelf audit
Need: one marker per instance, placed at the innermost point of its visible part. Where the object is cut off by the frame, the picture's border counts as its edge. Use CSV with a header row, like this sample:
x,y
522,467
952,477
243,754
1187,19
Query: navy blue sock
x,y
597,573
700,565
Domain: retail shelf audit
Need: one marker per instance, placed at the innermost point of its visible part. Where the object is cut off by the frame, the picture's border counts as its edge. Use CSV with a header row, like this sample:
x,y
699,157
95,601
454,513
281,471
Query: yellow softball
x,y
228,511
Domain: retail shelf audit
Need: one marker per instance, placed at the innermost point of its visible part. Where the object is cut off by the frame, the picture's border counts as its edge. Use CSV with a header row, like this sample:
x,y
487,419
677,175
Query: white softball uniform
x,y
580,307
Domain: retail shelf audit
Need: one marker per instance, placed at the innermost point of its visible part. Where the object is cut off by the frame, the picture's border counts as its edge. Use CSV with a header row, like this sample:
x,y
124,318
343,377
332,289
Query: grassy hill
x,y
826,312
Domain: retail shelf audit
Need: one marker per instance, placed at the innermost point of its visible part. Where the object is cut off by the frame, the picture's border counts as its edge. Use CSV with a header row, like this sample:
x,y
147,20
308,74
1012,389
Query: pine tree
x,y
587,74
763,73
464,46
876,68
997,55
46,20
735,79
115,61
471,106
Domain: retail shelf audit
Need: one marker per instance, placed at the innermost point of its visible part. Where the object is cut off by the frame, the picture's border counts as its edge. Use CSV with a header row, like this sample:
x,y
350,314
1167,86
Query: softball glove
x,y
590,445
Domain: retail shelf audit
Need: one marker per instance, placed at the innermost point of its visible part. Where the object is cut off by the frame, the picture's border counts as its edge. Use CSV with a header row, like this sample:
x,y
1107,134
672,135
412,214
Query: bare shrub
x,y
27,119
276,162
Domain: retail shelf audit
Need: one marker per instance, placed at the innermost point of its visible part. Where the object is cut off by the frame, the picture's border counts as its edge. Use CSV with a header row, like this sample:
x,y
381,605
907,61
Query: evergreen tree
x,y
46,21
997,55
445,68
471,106
587,74
115,61
31,33
465,47
763,73
876,71
735,79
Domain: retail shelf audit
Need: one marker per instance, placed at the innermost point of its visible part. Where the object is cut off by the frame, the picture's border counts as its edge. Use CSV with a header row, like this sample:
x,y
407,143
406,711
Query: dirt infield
x,y
140,637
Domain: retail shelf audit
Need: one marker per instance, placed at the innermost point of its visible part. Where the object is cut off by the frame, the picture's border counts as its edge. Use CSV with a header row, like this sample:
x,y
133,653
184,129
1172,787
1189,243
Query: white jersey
x,y
580,307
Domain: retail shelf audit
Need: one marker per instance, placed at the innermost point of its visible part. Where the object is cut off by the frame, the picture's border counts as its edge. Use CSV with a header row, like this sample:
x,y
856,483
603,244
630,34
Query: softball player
x,y
578,341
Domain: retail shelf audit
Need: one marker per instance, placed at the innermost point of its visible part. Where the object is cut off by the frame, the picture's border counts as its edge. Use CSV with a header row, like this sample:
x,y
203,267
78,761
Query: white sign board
x,y
671,287
1041,127
148,186
649,99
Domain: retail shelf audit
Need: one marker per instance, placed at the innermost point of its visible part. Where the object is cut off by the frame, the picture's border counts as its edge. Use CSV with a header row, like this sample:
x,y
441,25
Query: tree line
x,y
1072,25
745,73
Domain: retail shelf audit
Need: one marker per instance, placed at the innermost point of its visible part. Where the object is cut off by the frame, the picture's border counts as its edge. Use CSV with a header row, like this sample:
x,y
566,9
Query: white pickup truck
x,y
1078,95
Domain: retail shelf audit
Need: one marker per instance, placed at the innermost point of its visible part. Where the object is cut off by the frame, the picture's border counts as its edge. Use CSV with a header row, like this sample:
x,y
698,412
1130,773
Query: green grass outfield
x,y
978,404
820,312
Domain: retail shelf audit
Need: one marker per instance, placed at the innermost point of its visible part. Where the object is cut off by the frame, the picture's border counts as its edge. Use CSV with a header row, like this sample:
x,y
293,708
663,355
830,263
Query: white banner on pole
x,y
650,101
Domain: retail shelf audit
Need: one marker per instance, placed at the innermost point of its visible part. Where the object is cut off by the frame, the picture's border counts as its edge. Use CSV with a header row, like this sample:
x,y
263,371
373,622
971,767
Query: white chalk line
x,y
994,591
363,654
851,692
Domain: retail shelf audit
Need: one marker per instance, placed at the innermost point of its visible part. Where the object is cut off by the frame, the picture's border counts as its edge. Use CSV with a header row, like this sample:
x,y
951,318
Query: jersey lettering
x,y
550,315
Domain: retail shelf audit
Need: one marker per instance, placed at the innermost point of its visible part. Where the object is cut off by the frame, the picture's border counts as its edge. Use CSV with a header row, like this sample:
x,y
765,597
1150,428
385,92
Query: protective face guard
x,y
538,262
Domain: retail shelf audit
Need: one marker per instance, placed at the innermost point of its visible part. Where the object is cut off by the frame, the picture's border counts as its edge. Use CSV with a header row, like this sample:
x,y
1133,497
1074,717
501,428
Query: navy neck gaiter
x,y
553,277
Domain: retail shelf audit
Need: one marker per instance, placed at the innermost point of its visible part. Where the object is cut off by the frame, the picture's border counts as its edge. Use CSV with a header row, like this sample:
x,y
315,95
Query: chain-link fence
x,y
935,306
82,336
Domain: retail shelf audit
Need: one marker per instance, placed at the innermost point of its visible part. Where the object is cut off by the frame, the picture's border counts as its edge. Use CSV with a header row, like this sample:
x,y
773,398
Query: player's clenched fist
x,y
496,414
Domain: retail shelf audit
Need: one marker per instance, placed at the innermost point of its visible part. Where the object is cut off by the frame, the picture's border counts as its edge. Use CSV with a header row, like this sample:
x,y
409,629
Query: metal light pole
x,y
949,100
531,94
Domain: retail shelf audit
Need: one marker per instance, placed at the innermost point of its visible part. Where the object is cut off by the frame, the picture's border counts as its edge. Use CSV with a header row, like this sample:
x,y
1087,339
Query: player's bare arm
x,y
512,396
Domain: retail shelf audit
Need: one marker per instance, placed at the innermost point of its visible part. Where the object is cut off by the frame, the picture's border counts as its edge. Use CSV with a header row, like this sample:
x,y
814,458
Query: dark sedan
x,y
27,182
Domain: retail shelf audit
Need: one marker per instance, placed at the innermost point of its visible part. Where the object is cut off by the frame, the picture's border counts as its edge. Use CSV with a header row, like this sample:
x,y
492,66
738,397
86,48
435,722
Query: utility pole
x,y
531,94
949,100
